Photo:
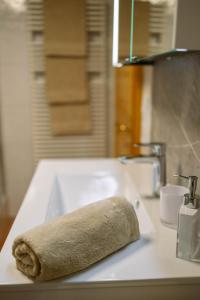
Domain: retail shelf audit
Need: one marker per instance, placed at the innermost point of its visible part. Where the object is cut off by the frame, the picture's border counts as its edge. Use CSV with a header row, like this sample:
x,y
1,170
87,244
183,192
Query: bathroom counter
x,y
145,268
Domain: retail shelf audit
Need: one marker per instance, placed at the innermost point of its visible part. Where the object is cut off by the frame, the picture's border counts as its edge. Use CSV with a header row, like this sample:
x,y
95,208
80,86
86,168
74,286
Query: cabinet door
x,y
129,81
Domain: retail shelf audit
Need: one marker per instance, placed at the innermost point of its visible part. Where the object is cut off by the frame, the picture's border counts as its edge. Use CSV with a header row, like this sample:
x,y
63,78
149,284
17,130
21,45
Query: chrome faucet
x,y
156,157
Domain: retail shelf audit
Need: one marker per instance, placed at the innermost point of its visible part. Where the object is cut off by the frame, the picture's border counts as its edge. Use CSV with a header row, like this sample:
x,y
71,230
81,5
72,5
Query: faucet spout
x,y
156,157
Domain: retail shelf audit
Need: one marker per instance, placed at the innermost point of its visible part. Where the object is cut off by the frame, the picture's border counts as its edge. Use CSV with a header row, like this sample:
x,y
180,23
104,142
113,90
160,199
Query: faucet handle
x,y
158,149
192,184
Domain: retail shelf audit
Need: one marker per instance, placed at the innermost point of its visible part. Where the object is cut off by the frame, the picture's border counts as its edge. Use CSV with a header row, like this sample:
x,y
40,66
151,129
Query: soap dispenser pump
x,y
188,232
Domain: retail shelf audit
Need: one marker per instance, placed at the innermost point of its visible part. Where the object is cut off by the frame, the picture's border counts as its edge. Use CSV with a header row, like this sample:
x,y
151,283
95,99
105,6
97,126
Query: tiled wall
x,y
176,113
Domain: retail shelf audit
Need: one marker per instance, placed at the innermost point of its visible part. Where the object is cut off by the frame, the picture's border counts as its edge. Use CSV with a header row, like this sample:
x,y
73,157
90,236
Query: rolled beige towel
x,y
76,240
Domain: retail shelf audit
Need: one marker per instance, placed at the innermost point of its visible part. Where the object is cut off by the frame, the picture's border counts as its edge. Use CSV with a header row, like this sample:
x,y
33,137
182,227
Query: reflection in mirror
x,y
142,28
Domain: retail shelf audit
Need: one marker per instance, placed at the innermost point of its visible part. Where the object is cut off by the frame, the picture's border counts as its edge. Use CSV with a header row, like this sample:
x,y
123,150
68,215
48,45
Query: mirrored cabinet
x,y
144,31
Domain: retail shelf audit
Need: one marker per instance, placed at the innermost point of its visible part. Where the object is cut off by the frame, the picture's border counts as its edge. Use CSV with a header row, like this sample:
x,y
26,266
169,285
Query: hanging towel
x,y
66,71
66,80
64,27
70,119
77,240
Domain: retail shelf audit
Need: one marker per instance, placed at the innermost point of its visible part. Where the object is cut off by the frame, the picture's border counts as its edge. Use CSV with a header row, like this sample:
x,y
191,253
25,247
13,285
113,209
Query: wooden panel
x,y
5,225
129,82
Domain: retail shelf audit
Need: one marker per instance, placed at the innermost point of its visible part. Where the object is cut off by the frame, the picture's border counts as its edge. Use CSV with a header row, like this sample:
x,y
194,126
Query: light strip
x,y
115,52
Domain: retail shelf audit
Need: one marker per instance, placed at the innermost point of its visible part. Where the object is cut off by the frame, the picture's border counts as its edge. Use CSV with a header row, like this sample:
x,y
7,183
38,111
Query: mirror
x,y
145,29
142,28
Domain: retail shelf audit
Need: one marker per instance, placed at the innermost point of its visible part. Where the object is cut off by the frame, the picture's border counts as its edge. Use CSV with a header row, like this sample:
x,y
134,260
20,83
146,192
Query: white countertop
x,y
148,260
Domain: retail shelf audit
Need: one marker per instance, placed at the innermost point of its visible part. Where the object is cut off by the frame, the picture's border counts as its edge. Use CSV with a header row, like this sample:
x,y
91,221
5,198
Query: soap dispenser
x,y
188,232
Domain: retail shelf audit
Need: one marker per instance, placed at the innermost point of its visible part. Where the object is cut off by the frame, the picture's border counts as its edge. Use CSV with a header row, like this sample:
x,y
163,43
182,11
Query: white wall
x,y
15,107
146,104
2,199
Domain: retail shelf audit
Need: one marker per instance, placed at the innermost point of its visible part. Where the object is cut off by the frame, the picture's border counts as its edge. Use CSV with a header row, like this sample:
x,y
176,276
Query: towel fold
x,y
76,240
64,27
66,80
70,119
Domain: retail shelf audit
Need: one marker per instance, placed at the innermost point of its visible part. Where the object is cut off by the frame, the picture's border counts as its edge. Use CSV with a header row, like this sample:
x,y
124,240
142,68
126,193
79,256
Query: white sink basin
x,y
59,187
73,191
70,192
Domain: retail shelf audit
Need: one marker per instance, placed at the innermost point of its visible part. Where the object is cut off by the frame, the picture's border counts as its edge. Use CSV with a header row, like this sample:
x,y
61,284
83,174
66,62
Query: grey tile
x,y
174,163
196,148
176,113
191,118
190,165
165,127
182,161
180,78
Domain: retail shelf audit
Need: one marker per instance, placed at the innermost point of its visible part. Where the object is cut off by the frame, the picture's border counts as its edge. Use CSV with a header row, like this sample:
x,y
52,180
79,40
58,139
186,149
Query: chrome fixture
x,y
191,197
156,157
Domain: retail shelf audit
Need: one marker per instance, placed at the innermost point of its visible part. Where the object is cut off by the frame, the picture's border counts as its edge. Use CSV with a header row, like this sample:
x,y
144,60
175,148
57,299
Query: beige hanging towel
x,y
66,80
70,119
75,241
64,27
